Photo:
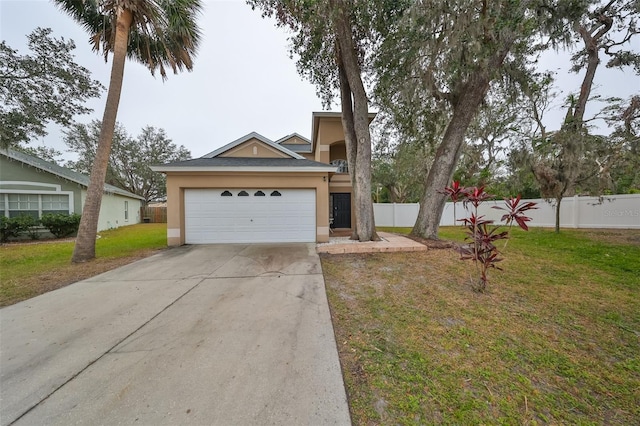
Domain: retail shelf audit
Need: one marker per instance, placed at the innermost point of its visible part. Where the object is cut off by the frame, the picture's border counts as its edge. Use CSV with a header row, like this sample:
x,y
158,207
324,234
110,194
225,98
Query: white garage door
x,y
249,215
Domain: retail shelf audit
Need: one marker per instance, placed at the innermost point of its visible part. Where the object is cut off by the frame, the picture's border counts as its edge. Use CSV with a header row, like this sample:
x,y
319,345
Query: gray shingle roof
x,y
62,172
297,148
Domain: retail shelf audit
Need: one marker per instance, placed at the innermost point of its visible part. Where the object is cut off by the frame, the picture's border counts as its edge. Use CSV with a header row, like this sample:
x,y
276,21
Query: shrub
x,y
15,226
30,226
61,225
481,233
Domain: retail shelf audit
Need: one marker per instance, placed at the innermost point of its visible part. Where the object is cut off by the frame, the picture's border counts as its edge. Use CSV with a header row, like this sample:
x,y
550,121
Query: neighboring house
x,y
257,190
32,186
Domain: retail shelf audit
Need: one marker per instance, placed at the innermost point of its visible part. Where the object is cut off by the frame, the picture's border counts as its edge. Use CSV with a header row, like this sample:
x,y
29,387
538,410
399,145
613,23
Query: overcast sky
x,y
243,78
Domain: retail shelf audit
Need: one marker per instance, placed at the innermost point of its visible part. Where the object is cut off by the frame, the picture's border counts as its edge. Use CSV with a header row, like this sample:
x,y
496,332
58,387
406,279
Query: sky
x,y
243,79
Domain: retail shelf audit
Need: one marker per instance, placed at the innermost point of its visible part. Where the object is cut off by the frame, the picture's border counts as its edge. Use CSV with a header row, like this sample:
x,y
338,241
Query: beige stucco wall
x,y
329,132
177,182
253,148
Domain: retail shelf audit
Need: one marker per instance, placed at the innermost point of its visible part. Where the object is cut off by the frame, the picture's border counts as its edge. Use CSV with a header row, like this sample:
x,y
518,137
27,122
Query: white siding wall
x,y
112,211
615,211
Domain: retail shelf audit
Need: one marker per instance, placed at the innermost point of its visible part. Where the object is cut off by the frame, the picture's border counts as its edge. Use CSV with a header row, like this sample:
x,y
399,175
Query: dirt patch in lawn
x,y
435,244
59,277
614,236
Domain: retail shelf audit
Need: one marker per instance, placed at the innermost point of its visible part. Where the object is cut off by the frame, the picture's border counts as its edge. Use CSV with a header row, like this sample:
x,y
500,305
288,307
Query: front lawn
x,y
32,268
555,340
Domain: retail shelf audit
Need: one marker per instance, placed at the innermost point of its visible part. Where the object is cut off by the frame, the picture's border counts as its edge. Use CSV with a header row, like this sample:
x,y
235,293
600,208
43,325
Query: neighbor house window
x,y
55,204
126,210
227,194
275,194
24,205
243,194
259,194
34,205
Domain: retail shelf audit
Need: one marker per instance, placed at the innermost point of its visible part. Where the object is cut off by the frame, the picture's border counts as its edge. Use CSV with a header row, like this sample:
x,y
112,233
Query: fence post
x,y
393,215
576,211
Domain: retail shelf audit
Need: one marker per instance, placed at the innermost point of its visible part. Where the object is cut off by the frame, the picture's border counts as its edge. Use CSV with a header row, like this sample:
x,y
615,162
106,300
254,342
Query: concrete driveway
x,y
206,335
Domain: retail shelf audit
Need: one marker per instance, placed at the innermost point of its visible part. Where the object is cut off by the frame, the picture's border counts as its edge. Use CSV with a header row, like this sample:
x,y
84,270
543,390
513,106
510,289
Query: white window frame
x,y
56,190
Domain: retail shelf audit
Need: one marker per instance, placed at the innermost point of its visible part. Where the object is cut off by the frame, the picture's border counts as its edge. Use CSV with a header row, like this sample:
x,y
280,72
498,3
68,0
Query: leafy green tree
x,y
398,173
158,34
484,154
518,178
566,160
44,86
130,157
330,38
624,161
451,53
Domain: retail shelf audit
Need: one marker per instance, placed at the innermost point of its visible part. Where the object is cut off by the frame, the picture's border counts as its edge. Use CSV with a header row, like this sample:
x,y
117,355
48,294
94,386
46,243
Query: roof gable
x,y
294,139
254,148
296,143
244,148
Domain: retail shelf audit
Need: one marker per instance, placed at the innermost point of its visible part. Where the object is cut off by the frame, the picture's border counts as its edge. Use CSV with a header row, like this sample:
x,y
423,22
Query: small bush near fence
x,y
153,214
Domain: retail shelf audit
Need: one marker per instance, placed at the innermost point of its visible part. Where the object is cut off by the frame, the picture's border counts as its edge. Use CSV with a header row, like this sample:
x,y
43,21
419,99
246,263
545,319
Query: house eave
x,y
246,169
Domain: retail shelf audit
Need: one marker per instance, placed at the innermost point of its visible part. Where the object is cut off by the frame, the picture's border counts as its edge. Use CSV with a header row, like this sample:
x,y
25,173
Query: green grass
x,y
31,269
556,339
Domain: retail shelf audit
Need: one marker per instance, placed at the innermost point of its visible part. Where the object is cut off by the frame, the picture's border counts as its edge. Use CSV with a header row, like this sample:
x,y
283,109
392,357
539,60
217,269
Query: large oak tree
x,y
330,38
441,59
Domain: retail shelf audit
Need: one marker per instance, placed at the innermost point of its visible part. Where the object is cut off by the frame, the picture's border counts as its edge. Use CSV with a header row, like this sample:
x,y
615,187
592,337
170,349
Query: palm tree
x,y
159,34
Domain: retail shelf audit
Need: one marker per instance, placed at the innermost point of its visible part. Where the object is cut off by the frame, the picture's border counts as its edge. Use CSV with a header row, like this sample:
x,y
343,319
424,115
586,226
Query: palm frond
x,y
163,34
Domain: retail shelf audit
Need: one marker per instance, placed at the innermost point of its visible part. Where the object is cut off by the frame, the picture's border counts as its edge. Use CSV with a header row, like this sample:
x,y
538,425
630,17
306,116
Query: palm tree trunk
x,y
85,247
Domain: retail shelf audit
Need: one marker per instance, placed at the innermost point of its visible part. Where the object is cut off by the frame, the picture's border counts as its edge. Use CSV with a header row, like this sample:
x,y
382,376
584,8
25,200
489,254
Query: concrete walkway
x,y
206,335
388,243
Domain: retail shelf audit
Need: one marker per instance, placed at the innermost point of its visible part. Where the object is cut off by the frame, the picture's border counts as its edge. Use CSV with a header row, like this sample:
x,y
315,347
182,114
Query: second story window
x,y
341,165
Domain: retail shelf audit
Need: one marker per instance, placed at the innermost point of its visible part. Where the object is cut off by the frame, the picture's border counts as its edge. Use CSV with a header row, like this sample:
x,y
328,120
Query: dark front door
x,y
341,205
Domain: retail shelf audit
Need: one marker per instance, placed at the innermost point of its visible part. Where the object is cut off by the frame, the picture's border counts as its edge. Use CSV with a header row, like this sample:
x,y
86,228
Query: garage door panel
x,y
213,218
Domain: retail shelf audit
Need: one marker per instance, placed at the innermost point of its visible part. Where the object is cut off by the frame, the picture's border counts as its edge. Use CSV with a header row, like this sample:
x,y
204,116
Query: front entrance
x,y
341,210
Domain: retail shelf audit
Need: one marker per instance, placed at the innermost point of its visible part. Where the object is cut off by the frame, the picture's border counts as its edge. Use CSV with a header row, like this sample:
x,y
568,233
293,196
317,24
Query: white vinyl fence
x,y
613,211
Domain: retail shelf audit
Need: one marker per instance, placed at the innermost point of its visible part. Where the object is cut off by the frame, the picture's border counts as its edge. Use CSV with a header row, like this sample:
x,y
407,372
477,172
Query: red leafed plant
x,y
456,193
481,233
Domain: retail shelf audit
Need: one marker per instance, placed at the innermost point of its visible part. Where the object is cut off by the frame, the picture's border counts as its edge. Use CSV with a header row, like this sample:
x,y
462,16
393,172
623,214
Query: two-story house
x,y
258,190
